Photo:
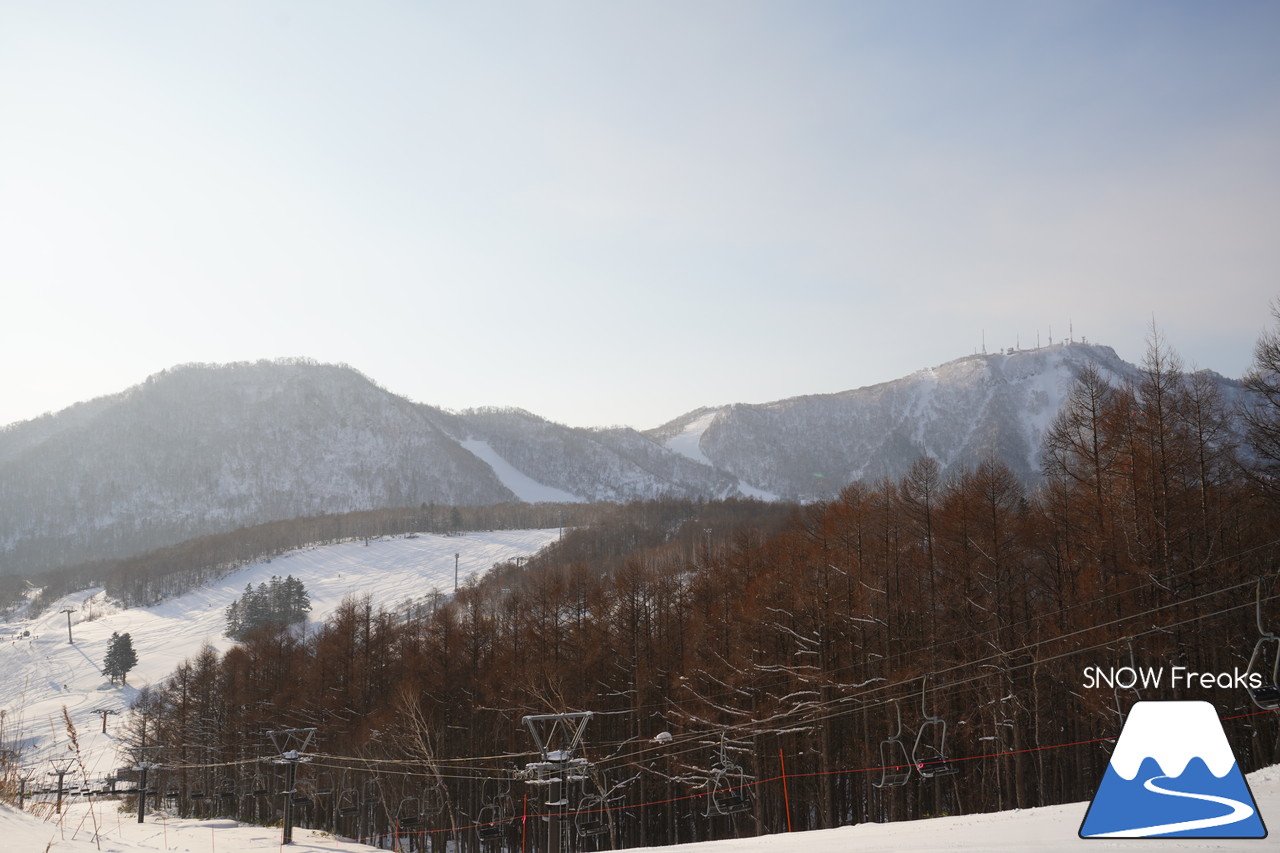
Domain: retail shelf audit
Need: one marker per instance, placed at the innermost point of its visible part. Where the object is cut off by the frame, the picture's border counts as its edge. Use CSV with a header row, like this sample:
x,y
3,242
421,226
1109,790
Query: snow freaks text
x,y
1175,677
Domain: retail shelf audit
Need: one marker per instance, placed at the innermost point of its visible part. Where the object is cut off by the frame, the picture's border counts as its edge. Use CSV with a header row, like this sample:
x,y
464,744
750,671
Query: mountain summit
x,y
958,413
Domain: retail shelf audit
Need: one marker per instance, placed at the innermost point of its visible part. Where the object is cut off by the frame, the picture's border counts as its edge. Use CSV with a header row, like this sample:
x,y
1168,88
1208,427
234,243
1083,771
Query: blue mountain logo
x,y
1173,775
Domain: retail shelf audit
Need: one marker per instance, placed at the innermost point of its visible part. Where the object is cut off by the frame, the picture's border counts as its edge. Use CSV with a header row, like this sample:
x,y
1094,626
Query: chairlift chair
x,y
1267,694
895,762
348,803
302,793
488,826
589,819
728,799
409,813
931,760
727,789
433,799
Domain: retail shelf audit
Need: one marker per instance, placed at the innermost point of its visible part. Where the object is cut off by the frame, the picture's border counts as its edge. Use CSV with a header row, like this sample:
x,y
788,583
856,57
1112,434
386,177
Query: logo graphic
x,y
1173,775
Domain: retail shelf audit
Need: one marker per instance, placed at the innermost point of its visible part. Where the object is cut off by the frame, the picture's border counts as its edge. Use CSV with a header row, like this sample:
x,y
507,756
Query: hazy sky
x,y
613,212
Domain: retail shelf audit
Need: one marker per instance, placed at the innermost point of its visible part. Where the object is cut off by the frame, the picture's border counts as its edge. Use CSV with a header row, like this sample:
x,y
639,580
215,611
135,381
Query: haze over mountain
x,y
204,448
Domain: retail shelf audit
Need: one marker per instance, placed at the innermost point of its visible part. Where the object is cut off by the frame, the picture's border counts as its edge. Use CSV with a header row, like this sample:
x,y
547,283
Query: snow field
x,y
42,673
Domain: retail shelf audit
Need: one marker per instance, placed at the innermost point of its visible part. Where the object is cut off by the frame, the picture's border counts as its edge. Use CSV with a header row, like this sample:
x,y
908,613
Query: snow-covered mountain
x,y
574,464
808,448
202,449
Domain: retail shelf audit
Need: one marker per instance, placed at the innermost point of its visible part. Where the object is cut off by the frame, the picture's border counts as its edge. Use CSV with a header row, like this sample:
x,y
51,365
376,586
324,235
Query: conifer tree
x,y
278,602
120,658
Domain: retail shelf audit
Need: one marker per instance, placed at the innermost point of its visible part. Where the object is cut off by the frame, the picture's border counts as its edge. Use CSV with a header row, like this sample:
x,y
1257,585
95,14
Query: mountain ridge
x,y
200,448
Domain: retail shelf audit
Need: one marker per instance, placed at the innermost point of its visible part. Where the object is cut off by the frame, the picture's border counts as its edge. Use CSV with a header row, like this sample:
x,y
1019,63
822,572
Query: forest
x,y
914,647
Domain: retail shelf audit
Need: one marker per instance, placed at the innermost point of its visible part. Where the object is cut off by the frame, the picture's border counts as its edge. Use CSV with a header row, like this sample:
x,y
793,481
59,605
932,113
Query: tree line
x,y
805,636
163,573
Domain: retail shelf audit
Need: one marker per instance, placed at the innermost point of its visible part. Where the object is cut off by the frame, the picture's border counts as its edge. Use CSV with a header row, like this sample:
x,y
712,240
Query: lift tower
x,y
557,737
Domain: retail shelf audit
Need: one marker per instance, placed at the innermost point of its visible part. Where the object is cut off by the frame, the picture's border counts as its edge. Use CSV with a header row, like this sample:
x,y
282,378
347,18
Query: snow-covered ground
x,y
42,673
1046,830
103,828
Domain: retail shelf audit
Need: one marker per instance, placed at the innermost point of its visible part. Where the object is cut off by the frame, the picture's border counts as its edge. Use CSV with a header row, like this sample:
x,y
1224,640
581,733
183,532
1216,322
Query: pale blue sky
x,y
616,212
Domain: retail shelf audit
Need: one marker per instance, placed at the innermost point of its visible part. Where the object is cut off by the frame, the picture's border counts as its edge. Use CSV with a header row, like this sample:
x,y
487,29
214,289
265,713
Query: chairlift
x,y
931,759
895,763
1267,694
348,803
590,818
488,825
728,798
496,813
433,800
409,813
727,790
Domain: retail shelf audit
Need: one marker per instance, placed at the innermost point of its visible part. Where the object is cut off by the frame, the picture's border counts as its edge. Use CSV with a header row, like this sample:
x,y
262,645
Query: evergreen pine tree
x,y
297,602
120,658
234,618
278,602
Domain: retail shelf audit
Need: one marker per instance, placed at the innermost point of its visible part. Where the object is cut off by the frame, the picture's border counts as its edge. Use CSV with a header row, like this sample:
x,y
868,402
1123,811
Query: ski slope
x,y
42,673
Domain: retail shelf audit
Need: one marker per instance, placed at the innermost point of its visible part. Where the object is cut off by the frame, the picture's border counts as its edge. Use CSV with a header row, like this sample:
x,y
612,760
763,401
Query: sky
x,y
614,213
